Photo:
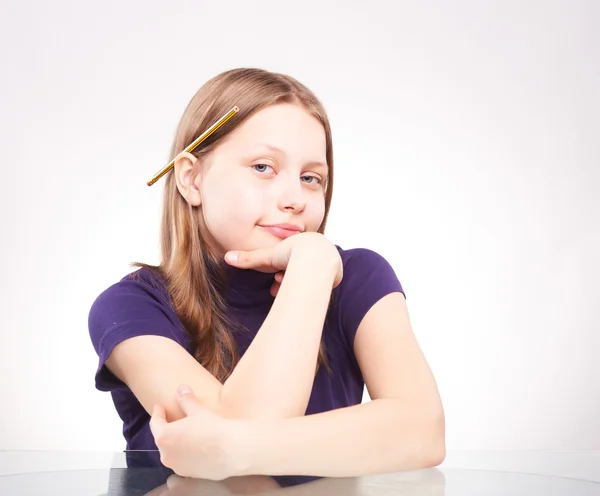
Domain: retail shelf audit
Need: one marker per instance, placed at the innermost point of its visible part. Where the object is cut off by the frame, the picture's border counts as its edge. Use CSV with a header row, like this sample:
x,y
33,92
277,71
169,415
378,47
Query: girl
x,y
272,330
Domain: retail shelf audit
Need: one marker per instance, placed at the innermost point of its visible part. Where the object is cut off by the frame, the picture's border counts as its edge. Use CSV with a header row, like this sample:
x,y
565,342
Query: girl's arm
x,y
382,436
402,428
274,378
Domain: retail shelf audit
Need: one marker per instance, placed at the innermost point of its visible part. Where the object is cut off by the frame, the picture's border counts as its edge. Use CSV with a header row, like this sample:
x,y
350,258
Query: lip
x,y
283,230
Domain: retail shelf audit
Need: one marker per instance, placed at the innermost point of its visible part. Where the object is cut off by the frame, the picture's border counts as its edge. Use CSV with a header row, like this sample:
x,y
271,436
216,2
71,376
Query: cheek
x,y
316,214
225,195
230,212
242,204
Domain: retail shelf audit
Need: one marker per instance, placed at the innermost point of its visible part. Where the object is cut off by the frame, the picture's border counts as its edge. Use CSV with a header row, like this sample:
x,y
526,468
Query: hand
x,y
201,445
276,258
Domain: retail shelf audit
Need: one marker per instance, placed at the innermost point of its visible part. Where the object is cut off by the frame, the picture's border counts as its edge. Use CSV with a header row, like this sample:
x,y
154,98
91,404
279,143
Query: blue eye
x,y
261,165
262,168
316,180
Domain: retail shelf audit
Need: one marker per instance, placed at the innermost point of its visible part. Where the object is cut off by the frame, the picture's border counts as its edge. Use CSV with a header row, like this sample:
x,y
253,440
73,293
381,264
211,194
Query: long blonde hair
x,y
188,266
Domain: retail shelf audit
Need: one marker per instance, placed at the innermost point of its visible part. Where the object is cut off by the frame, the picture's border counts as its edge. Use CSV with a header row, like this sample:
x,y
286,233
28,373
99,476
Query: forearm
x,y
381,436
274,378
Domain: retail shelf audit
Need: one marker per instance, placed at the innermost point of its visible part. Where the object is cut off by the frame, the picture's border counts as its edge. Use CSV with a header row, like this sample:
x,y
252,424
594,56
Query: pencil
x,y
195,143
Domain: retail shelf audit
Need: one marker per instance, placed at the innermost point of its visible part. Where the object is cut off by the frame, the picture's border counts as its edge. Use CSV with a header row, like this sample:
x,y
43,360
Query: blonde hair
x,y
191,271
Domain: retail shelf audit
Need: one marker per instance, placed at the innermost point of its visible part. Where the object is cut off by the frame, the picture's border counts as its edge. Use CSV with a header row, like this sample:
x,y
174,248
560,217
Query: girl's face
x,y
272,169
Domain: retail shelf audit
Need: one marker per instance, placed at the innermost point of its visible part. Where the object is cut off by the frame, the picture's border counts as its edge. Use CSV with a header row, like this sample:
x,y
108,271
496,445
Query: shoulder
x,y
143,283
368,277
362,259
366,269
138,303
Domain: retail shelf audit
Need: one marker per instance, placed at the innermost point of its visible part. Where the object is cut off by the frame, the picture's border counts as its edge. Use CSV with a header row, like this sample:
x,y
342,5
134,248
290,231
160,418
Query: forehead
x,y
285,126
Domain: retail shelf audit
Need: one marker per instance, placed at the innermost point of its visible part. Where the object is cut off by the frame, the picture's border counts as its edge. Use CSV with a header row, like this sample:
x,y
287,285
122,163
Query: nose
x,y
291,197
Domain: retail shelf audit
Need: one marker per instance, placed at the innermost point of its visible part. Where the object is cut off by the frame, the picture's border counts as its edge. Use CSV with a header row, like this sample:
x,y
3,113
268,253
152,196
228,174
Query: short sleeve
x,y
126,309
368,277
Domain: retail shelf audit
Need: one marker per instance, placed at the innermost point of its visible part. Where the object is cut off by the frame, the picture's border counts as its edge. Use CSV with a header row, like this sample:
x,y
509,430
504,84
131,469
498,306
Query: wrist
x,y
316,252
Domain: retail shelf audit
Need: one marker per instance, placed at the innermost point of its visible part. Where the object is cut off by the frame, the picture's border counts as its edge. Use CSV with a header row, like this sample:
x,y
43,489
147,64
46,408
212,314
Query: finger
x,y
187,399
231,257
274,289
258,259
279,276
158,420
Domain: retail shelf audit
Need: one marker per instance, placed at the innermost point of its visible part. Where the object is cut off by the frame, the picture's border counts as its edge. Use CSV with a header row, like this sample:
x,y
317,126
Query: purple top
x,y
136,307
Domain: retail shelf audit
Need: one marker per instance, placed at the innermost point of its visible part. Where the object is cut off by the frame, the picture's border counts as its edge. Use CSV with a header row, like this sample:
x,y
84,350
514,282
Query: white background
x,y
466,151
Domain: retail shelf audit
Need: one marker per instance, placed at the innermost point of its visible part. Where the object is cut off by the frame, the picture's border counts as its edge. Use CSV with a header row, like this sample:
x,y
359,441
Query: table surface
x,y
493,473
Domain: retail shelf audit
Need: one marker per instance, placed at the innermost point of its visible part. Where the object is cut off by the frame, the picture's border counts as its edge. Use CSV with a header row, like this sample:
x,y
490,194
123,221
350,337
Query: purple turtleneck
x,y
138,304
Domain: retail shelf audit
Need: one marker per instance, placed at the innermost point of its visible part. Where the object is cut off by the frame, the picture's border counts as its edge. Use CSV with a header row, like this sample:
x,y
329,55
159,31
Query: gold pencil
x,y
195,143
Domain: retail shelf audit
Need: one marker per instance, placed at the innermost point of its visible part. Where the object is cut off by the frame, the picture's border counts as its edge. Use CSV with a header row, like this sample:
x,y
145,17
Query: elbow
x,y
436,456
430,443
431,457
437,451
427,447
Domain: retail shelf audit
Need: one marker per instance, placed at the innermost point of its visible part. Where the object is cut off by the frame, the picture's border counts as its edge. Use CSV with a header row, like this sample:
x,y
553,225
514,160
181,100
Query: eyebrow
x,y
281,152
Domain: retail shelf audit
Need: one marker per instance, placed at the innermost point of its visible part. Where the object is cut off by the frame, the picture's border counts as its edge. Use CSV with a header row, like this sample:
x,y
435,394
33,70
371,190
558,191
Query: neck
x,y
247,279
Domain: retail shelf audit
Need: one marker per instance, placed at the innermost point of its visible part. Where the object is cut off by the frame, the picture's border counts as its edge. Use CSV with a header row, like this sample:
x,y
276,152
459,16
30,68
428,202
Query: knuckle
x,y
164,441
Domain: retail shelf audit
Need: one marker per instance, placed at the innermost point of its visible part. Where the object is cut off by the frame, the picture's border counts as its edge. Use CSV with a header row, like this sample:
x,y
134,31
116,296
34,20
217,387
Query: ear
x,y
184,164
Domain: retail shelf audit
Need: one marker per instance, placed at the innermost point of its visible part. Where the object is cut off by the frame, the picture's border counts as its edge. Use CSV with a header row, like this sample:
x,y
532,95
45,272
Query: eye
x,y
315,180
262,167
